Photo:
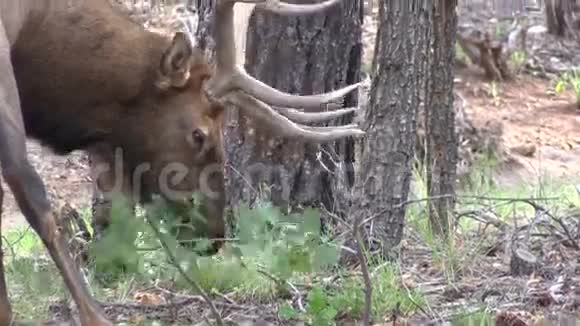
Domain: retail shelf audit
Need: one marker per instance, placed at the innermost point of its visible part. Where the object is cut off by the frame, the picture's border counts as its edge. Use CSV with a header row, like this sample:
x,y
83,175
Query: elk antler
x,y
232,84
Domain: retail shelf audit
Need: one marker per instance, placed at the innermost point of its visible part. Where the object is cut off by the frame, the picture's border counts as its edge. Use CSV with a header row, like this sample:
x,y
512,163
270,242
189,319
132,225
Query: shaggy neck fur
x,y
80,73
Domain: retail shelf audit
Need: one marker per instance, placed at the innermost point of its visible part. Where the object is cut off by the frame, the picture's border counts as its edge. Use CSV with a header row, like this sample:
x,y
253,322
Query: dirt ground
x,y
540,129
66,177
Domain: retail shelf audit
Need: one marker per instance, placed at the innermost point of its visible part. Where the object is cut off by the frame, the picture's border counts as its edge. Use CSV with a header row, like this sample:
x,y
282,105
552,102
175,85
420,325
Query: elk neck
x,y
80,70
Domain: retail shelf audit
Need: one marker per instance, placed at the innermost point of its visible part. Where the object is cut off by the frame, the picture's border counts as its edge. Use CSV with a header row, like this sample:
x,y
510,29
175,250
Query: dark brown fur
x,y
89,77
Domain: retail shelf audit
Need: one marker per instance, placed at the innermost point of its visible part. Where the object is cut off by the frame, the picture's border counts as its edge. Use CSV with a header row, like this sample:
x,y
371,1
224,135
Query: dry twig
x,y
364,269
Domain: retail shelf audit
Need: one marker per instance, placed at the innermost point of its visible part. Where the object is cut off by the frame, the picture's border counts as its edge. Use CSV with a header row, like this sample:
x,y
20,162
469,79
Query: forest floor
x,y
540,130
471,277
530,200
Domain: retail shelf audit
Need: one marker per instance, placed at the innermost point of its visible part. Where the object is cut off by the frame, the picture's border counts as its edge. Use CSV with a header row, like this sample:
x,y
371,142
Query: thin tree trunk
x,y
386,153
441,158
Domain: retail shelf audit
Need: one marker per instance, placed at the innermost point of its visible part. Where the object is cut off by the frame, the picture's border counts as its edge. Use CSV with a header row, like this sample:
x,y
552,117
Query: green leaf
x,y
560,87
299,259
281,266
325,317
317,301
325,255
312,223
287,312
202,245
247,225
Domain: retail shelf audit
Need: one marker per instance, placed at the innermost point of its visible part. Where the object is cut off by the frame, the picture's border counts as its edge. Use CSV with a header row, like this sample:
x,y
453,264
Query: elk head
x,y
227,85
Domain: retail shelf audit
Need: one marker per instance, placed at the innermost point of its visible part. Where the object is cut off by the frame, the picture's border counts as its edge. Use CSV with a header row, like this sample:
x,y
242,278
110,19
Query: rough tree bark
x,y
205,10
301,55
557,16
386,152
441,157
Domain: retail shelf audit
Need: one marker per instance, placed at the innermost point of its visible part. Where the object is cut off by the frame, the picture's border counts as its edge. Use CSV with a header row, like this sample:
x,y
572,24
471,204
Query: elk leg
x,y
5,311
29,191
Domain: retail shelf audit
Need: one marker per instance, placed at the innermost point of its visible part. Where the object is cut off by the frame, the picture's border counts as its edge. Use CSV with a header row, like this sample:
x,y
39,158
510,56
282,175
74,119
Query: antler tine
x,y
225,17
224,35
230,76
289,9
310,117
242,80
231,83
261,111
278,98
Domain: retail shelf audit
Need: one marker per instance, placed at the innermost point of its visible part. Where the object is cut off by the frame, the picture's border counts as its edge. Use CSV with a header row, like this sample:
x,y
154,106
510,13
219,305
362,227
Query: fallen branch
x,y
426,199
559,221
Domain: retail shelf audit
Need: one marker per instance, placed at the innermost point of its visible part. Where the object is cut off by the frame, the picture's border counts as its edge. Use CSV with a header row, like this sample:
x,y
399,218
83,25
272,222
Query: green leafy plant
x,y
283,243
346,299
518,60
320,310
130,246
268,242
569,80
494,92
117,252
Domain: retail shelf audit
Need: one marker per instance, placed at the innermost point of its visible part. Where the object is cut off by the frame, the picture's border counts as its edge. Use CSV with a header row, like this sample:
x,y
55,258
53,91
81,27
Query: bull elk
x,y
80,74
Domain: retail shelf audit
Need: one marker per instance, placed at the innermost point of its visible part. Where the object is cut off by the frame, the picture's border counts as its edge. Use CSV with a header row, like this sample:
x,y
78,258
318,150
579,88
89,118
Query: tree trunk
x,y
441,158
205,10
557,15
300,55
505,8
386,152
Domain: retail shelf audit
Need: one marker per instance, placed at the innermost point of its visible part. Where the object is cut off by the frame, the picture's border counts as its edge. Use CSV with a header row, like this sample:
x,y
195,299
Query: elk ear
x,y
174,69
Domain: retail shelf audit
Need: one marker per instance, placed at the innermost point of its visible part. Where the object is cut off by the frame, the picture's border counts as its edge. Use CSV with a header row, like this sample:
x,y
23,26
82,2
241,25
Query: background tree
x,y
441,148
385,154
205,9
558,15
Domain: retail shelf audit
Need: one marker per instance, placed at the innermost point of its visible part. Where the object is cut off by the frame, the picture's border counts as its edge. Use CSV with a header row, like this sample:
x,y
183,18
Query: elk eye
x,y
197,138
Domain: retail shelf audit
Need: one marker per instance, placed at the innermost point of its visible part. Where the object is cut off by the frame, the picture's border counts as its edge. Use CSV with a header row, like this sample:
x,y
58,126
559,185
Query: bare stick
x,y
364,270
